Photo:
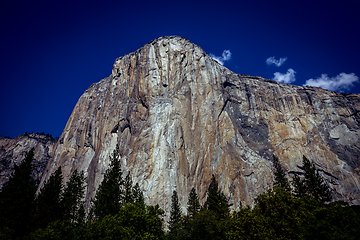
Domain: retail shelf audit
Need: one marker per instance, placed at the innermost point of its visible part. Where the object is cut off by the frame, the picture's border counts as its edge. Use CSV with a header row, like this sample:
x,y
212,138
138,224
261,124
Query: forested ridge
x,y
300,209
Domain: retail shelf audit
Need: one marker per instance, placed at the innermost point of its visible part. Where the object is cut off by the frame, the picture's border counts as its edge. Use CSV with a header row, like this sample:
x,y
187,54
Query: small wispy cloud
x,y
342,81
225,56
287,77
278,63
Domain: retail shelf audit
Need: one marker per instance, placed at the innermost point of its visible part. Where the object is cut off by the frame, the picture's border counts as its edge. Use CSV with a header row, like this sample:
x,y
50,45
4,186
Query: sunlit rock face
x,y
179,117
13,151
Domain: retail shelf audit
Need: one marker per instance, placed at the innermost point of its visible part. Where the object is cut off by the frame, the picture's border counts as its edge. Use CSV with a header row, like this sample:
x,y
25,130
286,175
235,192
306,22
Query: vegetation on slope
x,y
300,210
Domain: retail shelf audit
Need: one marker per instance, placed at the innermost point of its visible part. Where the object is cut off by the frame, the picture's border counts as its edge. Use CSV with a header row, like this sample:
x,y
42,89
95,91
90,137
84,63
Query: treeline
x,y
118,210
302,209
42,134
32,133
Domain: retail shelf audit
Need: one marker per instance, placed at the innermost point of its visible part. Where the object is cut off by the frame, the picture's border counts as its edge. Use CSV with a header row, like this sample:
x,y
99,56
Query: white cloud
x,y
341,81
278,63
287,77
225,56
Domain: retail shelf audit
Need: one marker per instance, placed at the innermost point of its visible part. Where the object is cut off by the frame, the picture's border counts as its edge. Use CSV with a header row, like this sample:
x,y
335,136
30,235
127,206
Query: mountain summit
x,y
179,117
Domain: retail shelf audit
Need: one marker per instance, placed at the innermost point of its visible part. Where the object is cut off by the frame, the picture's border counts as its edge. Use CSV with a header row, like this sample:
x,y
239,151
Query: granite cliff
x,y
13,151
179,117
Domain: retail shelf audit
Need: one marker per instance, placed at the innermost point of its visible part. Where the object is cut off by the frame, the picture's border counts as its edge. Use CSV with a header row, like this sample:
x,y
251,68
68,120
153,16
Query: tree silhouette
x,y
280,176
128,189
16,200
72,203
193,205
175,215
216,200
138,194
312,183
48,207
299,187
109,196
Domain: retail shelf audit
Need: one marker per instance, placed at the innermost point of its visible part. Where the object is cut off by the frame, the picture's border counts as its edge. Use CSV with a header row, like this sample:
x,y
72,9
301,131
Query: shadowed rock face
x,y
13,151
180,117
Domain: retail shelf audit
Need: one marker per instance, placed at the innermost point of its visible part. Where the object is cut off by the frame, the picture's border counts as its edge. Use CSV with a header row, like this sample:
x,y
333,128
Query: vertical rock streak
x,y
179,117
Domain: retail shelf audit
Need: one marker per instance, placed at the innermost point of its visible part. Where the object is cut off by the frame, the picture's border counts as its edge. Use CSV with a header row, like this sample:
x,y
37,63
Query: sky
x,y
52,51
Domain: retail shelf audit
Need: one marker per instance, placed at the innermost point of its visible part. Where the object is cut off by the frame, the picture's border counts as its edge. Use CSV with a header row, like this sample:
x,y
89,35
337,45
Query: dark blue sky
x,y
52,51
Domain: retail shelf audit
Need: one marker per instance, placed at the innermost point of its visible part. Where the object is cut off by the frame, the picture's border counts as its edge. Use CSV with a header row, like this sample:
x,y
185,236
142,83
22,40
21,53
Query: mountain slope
x,y
180,117
13,151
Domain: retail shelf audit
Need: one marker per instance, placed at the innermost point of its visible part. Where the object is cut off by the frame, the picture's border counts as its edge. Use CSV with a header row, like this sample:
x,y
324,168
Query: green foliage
x,y
16,200
72,198
131,221
216,200
282,214
132,193
337,221
58,230
299,186
209,222
138,194
128,190
47,203
280,176
278,214
204,225
207,225
57,207
109,196
134,221
356,209
122,214
175,215
312,184
155,220
193,203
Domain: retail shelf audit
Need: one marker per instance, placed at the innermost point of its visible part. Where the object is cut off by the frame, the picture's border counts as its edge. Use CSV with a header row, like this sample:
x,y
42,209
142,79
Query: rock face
x,y
179,117
13,151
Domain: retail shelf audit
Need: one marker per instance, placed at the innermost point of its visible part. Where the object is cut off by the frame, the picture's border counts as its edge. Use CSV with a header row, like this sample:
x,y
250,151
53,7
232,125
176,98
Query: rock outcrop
x,y
13,151
179,117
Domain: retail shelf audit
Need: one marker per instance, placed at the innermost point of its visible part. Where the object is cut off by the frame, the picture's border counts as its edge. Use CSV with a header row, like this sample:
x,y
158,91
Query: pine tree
x,y
211,221
312,184
16,200
175,214
72,197
128,189
48,202
193,203
138,194
280,176
109,196
299,186
216,200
